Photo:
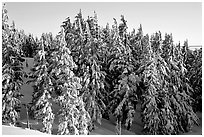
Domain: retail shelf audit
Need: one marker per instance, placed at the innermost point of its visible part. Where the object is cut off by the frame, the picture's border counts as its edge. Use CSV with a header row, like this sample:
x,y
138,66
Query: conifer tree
x,y
124,96
12,71
43,87
157,114
73,117
83,40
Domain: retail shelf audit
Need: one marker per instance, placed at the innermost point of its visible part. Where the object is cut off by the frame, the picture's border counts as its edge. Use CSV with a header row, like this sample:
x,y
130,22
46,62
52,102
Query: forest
x,y
92,72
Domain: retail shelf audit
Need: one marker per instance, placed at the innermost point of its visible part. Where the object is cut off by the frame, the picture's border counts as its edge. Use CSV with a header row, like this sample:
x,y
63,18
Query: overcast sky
x,y
183,20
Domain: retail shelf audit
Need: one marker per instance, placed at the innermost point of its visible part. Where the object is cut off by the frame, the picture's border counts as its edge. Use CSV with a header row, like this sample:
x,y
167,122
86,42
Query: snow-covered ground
x,y
8,130
106,128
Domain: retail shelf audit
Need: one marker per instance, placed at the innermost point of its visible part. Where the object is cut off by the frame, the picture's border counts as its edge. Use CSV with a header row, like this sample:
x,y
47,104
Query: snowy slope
x,y
107,128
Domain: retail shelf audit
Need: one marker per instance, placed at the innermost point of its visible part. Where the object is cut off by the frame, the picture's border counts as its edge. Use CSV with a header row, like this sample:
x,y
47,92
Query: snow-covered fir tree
x,y
73,118
123,97
41,104
82,38
12,71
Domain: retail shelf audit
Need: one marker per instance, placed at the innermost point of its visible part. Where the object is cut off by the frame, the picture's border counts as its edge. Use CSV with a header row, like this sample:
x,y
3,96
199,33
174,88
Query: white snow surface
x,y
9,130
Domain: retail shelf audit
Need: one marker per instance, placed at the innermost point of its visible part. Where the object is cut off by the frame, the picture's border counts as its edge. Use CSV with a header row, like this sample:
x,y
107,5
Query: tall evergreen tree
x,y
83,40
124,96
12,71
73,117
41,104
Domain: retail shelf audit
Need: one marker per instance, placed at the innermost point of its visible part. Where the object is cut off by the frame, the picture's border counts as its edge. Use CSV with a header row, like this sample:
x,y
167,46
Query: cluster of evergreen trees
x,y
92,72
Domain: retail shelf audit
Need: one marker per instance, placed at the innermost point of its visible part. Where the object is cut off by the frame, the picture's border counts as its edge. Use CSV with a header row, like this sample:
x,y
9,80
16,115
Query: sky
x,y
182,19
